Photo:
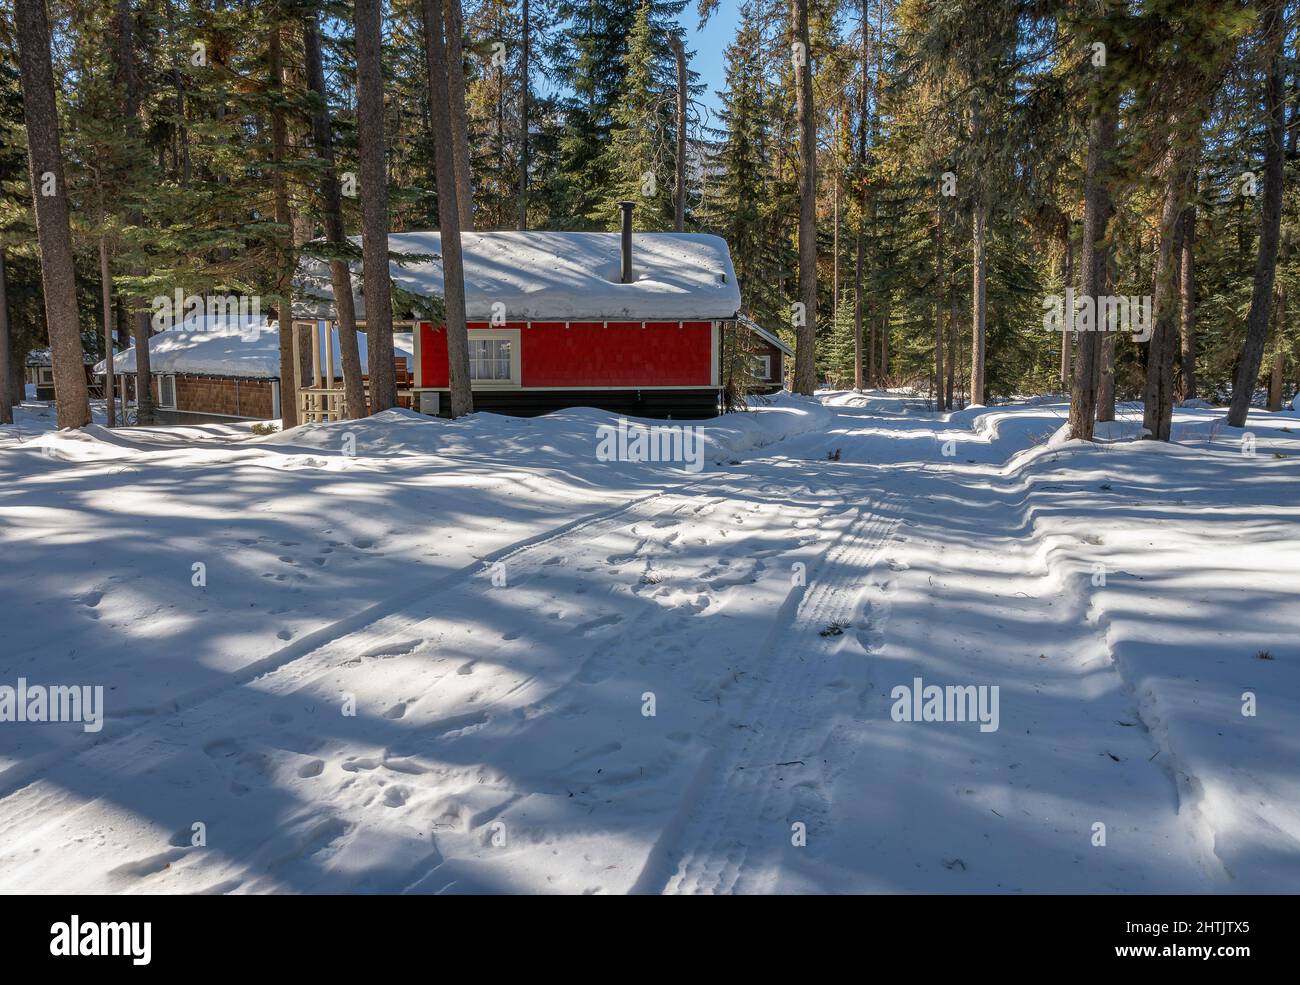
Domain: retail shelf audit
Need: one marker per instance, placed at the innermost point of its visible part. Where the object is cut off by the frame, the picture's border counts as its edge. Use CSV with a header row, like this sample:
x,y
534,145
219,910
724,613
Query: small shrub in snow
x,y
263,428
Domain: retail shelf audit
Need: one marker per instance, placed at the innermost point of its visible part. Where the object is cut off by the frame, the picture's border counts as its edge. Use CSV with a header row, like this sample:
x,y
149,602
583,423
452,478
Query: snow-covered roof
x,y
244,351
42,357
764,334
556,276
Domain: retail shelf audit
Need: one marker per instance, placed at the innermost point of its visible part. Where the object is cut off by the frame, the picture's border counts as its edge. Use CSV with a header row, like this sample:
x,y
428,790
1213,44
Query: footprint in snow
x,y
310,769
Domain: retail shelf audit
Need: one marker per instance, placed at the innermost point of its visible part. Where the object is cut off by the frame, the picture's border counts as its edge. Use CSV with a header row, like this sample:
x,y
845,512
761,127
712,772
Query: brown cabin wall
x,y
222,395
764,348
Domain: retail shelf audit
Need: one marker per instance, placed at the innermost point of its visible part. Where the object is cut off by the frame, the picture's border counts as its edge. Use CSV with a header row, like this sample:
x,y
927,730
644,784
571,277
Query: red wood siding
x,y
591,354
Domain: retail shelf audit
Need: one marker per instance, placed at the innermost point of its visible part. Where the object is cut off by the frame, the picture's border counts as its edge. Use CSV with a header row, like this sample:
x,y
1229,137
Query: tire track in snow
x,y
732,820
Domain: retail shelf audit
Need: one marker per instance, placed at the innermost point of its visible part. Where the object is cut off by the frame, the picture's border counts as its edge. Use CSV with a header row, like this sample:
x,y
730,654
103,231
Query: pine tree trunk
x,y
679,199
1097,208
1252,354
938,309
952,346
1187,355
805,360
857,312
453,275
1067,332
455,28
884,343
861,174
872,348
332,208
53,233
106,299
835,233
6,371
284,237
979,300
1275,383
1158,393
127,78
1106,383
524,97
374,203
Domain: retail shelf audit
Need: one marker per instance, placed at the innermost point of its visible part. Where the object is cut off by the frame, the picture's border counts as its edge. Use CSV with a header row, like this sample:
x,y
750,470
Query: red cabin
x,y
554,320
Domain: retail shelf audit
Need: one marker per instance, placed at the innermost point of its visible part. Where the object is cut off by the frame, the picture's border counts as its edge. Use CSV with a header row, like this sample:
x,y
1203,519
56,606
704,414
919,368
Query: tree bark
x,y
1158,393
374,203
1275,383
6,372
1067,332
952,346
1097,208
332,207
128,79
1261,298
1106,383
862,196
938,309
453,274
679,197
524,96
979,299
106,298
53,233
284,237
1187,355
455,28
884,343
805,359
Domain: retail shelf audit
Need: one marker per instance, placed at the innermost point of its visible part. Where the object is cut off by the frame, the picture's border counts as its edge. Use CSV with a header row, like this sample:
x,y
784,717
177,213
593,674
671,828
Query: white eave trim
x,y
764,334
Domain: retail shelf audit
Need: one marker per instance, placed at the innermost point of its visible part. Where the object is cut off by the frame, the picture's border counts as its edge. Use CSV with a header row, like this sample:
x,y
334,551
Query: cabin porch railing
x,y
317,404
320,398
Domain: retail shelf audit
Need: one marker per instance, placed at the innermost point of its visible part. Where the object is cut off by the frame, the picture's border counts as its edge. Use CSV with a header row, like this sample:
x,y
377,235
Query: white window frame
x,y
765,365
163,379
510,335
45,376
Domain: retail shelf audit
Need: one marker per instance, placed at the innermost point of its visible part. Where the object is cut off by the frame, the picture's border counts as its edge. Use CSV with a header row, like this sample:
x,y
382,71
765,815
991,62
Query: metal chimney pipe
x,y
625,209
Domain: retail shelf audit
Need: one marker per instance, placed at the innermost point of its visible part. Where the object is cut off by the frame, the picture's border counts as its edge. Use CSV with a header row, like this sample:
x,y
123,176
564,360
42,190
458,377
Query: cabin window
x,y
167,392
494,357
489,360
763,367
45,376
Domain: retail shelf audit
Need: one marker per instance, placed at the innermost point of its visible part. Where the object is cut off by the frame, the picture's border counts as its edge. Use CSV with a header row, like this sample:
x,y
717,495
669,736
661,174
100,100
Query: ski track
x,y
733,833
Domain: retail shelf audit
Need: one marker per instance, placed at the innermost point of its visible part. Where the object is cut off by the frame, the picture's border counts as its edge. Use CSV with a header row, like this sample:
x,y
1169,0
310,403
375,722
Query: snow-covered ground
x,y
408,655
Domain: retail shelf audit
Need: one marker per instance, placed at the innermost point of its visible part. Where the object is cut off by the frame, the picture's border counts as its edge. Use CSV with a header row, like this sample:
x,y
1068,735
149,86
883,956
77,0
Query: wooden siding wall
x,y
218,395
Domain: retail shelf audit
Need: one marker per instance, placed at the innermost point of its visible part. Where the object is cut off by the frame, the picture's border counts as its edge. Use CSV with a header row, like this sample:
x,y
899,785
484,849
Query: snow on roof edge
x,y
554,276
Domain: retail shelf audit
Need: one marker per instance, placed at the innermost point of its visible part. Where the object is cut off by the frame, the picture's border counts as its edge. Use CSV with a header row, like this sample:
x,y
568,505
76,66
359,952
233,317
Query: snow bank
x,y
568,437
